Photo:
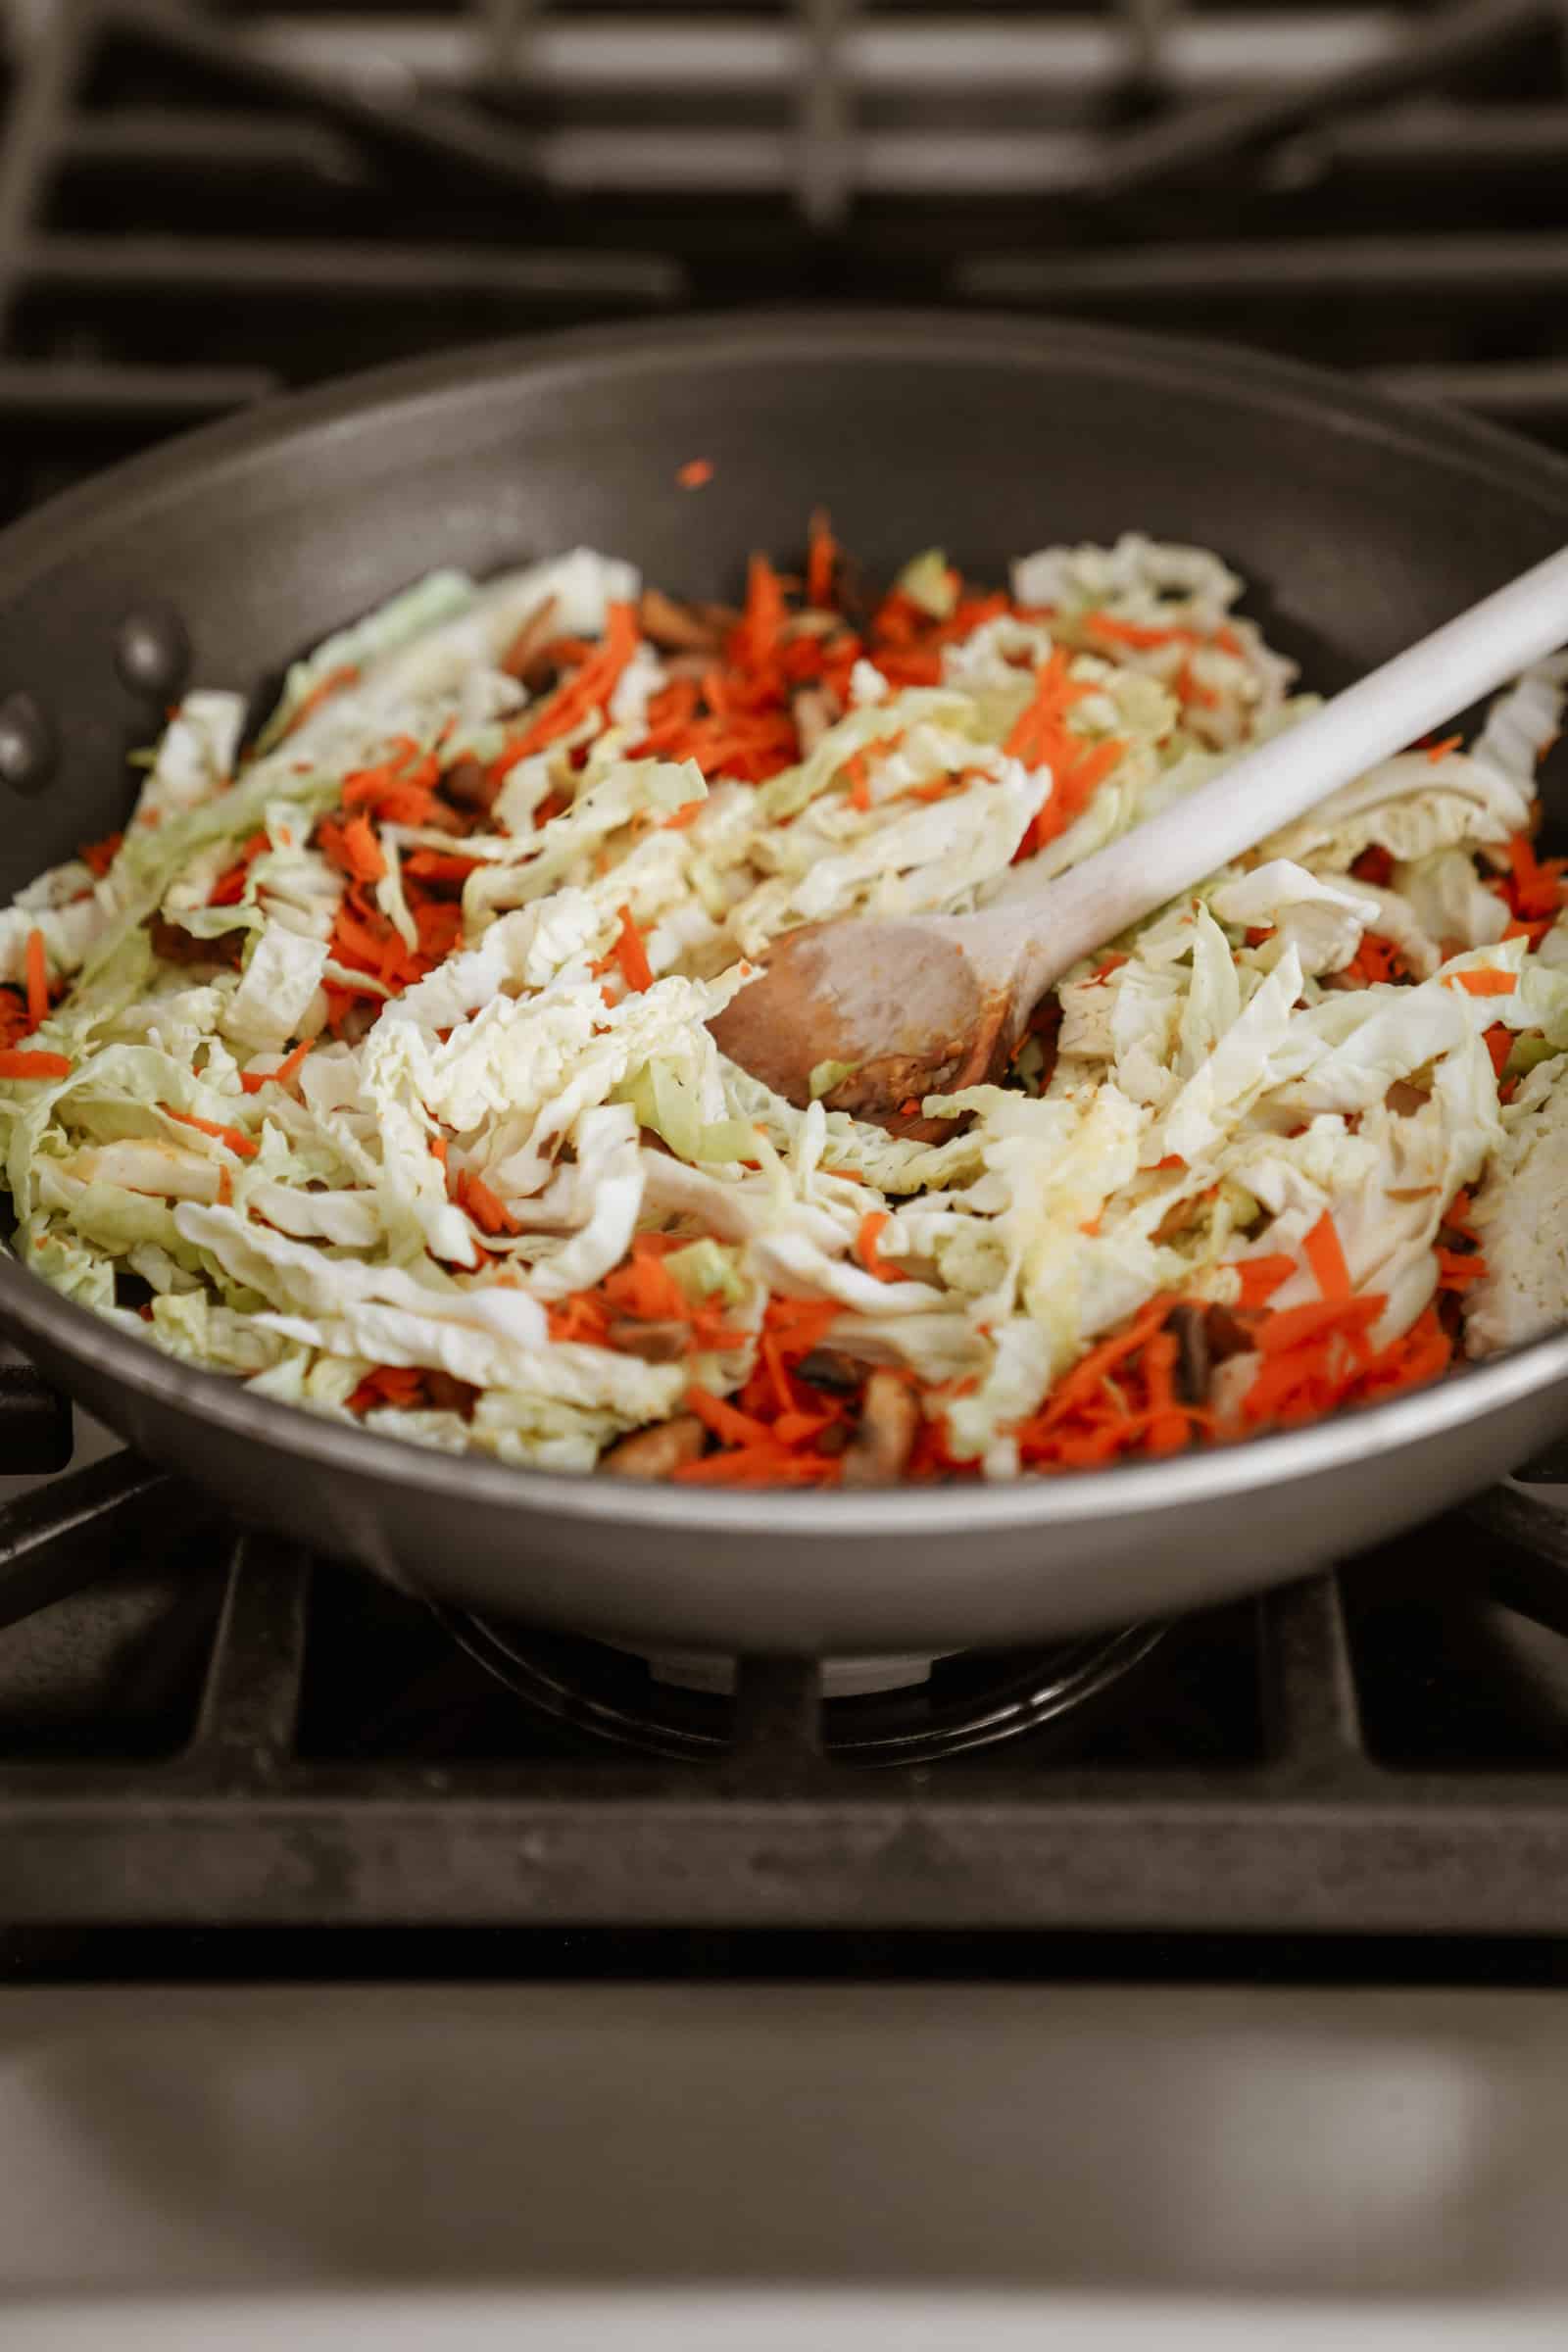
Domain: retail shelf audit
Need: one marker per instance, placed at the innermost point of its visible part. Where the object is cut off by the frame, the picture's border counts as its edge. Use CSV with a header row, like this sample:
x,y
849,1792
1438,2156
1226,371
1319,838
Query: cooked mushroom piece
x,y
889,1419
523,653
655,1452
655,1343
676,629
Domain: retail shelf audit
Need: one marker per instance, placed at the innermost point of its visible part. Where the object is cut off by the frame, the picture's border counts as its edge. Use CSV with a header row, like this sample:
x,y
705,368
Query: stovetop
x,y
219,1758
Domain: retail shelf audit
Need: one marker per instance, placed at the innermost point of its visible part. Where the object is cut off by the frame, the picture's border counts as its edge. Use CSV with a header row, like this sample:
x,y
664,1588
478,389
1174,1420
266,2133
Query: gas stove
x,y
212,1747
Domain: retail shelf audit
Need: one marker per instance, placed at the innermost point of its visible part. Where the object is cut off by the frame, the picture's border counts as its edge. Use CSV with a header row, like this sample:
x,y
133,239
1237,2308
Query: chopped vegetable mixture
x,y
369,1065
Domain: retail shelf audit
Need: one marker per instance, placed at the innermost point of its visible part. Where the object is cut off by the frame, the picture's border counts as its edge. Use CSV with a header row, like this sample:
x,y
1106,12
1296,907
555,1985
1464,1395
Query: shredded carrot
x,y
870,1231
1499,1042
1325,1256
225,1189
730,1427
1261,1277
1482,982
36,959
1458,1268
13,1065
1534,888
1376,961
244,1147
229,888
365,858
631,954
99,856
1440,750
486,1208
1041,738
389,1383
1135,633
695,472
253,1081
679,818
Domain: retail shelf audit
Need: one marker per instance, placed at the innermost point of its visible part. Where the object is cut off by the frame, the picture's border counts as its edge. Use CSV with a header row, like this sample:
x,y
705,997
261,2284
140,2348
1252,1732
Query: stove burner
x,y
608,1698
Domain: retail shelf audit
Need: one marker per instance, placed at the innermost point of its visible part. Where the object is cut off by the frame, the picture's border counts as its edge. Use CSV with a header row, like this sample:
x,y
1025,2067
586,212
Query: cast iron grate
x,y
199,1725
198,205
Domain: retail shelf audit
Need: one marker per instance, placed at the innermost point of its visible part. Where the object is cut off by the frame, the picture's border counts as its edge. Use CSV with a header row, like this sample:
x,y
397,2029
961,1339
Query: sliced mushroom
x,y
676,629
826,1368
472,785
523,653
815,711
1195,1366
175,944
890,1420
1227,1336
655,1452
449,1395
655,1343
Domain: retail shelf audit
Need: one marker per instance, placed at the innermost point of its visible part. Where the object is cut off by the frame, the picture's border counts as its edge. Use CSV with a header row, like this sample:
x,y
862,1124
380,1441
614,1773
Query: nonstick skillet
x,y
223,556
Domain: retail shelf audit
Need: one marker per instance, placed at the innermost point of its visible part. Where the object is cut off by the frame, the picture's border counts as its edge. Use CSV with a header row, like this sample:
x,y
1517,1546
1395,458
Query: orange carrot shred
x,y
99,856
730,1426
1483,982
631,954
1440,750
1325,1256
253,1081
245,1147
871,1228
486,1208
1261,1277
695,472
821,562
15,1064
38,969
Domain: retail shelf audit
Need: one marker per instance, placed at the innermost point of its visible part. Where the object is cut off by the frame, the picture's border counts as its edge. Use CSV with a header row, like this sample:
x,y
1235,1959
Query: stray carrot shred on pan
x,y
821,562
695,472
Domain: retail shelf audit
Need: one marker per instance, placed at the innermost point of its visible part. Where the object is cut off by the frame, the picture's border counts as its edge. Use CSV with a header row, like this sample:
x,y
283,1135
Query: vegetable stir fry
x,y
369,1065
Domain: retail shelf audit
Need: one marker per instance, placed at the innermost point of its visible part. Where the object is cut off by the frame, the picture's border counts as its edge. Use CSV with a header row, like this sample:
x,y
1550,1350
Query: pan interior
x,y
1357,526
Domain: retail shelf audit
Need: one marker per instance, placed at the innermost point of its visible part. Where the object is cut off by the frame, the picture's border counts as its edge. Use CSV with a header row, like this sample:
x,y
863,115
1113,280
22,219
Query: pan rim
x,y
1060,1498
53,533
50,534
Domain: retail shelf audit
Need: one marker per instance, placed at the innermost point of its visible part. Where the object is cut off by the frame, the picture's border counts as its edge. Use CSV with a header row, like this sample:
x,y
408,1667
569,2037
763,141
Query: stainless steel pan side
x,y
1362,523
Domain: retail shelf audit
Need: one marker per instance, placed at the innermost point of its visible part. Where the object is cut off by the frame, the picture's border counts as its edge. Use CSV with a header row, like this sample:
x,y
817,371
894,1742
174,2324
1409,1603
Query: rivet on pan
x,y
152,652
29,746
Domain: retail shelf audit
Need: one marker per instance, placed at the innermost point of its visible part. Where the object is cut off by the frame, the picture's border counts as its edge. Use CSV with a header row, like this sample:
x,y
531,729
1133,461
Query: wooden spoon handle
x,y
1272,786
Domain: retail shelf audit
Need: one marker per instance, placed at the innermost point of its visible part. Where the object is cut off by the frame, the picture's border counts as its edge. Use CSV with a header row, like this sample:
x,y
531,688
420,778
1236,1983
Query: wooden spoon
x,y
926,1004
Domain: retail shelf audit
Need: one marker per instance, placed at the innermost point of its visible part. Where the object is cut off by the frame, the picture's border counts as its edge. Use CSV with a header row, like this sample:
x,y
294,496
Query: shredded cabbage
x,y
375,1069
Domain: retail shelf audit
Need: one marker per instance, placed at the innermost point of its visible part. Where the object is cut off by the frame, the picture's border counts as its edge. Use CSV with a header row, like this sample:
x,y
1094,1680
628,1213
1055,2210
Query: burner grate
x,y
197,207
296,1748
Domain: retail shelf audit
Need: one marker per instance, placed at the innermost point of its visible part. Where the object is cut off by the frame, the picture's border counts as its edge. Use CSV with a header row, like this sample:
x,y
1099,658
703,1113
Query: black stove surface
x,y
220,1759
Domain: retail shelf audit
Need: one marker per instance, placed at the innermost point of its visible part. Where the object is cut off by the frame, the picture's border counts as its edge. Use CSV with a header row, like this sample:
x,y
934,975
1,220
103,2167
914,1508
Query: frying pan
x,y
1362,523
